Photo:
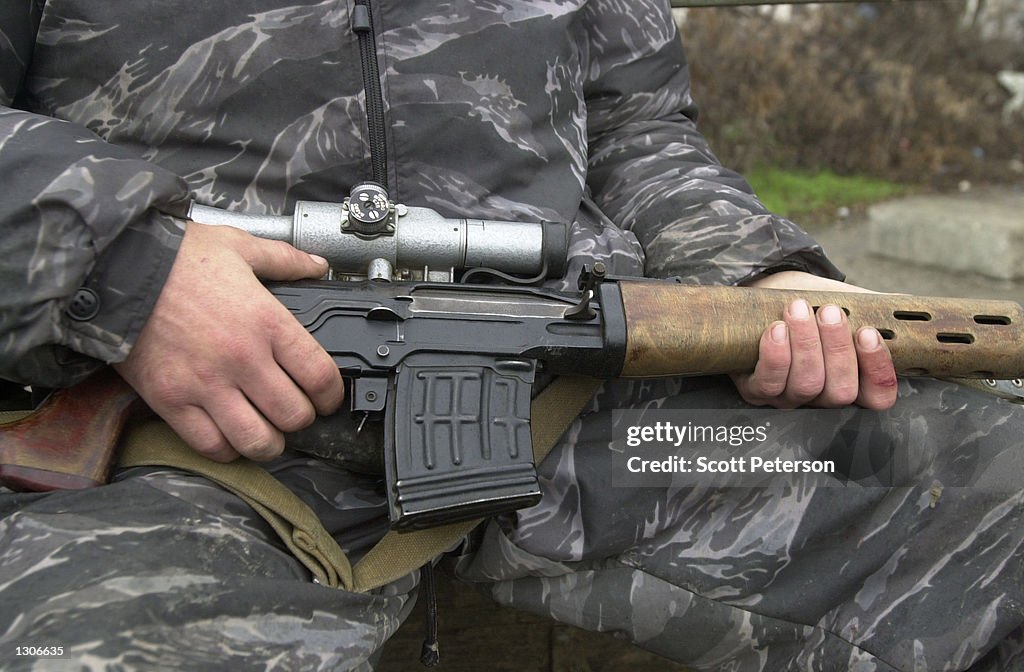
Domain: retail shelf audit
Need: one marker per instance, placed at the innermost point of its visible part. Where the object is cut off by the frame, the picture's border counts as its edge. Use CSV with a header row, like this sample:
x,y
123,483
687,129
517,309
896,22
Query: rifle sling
x,y
152,443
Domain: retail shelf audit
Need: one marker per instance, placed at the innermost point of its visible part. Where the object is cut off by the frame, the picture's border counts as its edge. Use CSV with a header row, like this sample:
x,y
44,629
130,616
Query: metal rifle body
x,y
451,366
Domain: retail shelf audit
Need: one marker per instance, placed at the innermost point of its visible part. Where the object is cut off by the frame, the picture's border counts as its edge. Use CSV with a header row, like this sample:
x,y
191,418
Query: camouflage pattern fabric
x,y
116,114
110,129
165,571
792,576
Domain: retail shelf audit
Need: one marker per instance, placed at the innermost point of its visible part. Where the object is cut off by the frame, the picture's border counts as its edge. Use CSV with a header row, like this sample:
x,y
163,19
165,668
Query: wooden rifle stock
x,y
69,442
685,330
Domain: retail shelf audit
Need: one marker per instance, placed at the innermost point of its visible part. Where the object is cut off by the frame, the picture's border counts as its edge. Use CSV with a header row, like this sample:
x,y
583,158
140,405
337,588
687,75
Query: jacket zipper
x,y
362,26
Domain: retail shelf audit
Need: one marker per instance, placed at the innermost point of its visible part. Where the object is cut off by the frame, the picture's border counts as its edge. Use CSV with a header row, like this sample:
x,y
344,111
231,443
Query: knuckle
x,y
839,347
254,438
770,388
879,373
167,390
882,391
210,444
806,388
279,247
773,364
259,442
237,349
210,384
271,450
843,395
752,399
810,379
751,396
884,377
807,340
323,377
280,252
206,374
745,387
284,330
298,418
777,376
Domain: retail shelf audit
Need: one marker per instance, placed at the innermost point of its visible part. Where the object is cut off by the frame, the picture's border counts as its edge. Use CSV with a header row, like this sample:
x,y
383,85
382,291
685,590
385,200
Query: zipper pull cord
x,y
430,654
362,26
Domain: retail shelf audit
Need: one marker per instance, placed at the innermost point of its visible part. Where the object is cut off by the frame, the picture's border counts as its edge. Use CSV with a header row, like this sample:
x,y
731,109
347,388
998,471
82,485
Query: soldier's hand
x,y
222,360
812,359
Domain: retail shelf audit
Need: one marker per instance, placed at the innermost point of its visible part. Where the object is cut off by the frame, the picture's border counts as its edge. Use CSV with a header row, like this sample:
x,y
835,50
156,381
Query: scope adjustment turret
x,y
369,211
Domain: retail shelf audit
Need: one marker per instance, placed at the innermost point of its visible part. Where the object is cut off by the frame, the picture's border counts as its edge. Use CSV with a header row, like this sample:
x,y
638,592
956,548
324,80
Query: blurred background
x,y
835,105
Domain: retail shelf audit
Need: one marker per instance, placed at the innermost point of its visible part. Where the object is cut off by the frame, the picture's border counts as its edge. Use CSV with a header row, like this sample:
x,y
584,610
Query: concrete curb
x,y
911,252
966,233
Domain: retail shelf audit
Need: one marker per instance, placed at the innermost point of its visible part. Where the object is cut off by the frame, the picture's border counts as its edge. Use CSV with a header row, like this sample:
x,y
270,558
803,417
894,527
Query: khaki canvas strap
x,y
13,416
152,443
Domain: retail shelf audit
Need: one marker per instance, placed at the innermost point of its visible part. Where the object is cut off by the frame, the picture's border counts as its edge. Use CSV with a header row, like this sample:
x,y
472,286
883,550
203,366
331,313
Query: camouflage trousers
x,y
162,570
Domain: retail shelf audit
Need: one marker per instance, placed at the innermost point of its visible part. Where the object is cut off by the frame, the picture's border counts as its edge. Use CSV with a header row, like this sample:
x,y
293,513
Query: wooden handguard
x,y
69,442
691,330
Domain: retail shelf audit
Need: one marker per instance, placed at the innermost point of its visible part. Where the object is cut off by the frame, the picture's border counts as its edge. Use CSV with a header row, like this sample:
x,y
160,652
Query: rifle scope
x,y
370,236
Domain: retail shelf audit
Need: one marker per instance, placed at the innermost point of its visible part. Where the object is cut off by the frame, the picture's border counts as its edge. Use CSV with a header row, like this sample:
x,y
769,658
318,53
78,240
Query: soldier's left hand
x,y
812,359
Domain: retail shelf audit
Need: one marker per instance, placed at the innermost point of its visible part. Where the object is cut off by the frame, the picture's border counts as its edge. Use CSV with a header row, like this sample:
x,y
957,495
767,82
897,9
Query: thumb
x,y
277,260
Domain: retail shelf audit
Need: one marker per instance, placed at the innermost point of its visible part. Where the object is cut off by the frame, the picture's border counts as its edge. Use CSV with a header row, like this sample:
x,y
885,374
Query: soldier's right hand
x,y
223,361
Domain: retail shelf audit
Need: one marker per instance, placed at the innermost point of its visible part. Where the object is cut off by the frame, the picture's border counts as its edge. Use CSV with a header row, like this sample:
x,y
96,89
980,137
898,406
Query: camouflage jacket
x,y
115,115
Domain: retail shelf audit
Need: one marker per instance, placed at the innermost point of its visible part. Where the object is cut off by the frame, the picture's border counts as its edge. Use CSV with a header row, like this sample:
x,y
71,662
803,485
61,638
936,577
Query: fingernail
x,y
318,259
831,315
800,310
868,339
779,333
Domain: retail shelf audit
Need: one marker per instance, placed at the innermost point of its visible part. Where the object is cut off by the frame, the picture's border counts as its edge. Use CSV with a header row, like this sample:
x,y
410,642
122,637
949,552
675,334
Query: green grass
x,y
817,195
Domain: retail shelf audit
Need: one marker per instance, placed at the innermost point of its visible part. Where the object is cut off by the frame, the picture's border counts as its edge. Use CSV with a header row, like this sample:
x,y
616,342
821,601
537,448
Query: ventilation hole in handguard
x,y
912,315
963,339
997,320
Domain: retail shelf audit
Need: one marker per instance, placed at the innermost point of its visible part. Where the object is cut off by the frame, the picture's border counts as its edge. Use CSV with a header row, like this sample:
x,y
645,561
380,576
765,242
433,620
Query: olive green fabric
x,y
153,443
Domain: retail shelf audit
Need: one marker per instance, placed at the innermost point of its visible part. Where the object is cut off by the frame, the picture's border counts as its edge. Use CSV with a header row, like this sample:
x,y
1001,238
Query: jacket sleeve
x,y
90,232
652,172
